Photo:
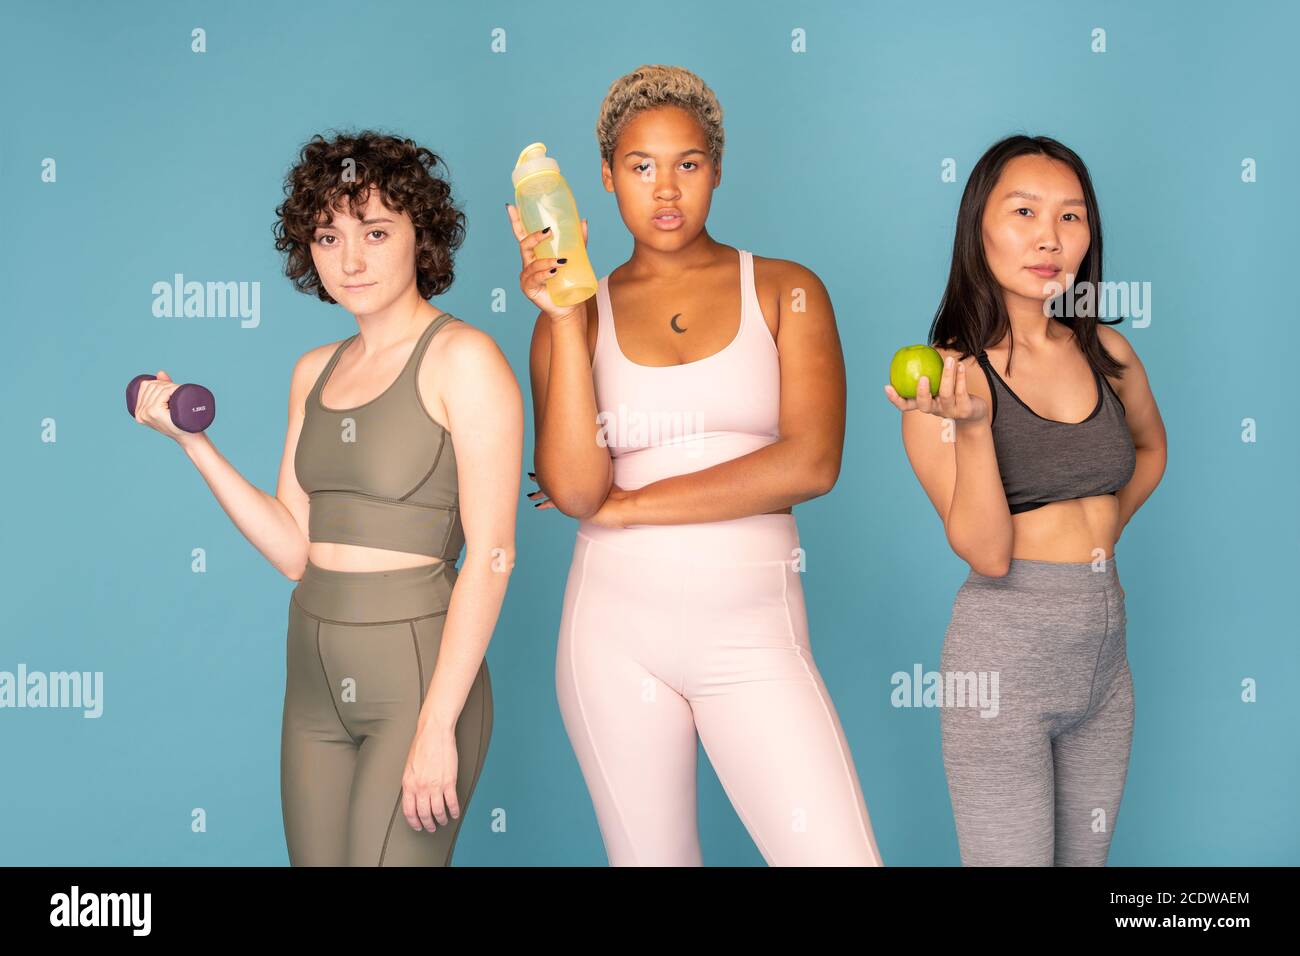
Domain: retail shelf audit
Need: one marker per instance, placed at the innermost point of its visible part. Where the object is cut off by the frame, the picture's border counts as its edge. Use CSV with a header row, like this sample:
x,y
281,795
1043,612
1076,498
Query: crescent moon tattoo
x,y
673,323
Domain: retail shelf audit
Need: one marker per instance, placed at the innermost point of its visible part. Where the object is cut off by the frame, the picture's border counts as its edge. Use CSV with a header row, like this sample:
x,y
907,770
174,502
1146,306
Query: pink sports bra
x,y
660,421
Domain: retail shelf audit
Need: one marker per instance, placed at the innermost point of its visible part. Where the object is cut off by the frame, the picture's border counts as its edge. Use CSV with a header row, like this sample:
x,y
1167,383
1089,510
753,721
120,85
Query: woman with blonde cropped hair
x,y
680,435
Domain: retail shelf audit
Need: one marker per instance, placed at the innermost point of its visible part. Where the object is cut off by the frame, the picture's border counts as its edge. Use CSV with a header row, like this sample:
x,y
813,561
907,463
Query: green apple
x,y
909,364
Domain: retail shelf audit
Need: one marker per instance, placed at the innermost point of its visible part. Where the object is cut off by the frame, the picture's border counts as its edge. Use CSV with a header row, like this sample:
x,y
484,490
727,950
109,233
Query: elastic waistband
x,y
1053,576
754,539
375,597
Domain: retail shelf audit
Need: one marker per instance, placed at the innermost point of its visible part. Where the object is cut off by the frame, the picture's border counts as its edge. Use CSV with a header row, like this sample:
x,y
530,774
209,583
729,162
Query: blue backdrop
x,y
839,120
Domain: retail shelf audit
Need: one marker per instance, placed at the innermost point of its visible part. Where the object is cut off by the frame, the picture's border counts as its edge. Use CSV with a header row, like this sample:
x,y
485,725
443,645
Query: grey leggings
x,y
1036,749
360,654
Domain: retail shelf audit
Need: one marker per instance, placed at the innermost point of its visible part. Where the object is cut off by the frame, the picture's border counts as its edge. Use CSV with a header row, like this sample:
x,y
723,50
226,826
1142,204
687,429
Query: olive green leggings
x,y
360,655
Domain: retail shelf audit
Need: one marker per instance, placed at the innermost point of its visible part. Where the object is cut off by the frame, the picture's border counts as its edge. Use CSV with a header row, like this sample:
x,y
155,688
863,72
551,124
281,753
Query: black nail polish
x,y
536,503
561,260
532,474
552,270
547,229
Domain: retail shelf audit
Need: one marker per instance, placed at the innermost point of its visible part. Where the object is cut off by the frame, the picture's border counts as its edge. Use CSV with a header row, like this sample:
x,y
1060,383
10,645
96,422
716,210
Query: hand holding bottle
x,y
546,223
537,271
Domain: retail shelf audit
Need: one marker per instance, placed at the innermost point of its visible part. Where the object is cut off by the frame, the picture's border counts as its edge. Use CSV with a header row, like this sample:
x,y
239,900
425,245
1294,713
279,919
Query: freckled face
x,y
1035,227
663,177
366,263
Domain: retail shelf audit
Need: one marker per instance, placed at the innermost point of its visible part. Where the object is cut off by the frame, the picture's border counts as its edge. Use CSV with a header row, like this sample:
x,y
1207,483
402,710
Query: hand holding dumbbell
x,y
191,408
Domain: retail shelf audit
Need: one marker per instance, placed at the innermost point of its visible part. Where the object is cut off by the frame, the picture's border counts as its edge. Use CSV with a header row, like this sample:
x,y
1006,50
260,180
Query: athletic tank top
x,y
660,421
382,474
1043,460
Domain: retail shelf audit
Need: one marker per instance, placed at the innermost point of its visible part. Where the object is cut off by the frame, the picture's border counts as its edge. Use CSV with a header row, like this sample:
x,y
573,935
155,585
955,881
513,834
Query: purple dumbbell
x,y
192,406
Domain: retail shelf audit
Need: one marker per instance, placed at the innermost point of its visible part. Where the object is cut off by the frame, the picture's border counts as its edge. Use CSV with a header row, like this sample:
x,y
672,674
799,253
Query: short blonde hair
x,y
651,86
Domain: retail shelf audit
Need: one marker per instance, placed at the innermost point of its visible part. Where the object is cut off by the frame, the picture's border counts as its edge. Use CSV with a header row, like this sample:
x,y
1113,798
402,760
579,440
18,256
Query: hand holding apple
x,y
912,374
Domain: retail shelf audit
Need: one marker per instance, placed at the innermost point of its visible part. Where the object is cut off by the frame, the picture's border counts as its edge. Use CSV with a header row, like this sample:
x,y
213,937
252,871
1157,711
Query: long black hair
x,y
972,314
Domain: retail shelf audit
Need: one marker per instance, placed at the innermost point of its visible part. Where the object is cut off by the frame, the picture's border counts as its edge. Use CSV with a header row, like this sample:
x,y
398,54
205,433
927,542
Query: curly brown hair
x,y
404,174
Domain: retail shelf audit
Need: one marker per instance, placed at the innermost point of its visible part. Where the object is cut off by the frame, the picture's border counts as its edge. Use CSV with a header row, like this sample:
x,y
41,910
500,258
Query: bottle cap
x,y
533,160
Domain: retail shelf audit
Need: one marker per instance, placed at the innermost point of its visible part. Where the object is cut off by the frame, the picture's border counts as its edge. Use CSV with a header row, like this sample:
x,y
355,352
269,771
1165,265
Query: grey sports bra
x,y
382,474
1042,460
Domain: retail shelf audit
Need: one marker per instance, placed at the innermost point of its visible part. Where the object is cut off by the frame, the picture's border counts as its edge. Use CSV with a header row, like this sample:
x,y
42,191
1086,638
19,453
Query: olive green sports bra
x,y
382,474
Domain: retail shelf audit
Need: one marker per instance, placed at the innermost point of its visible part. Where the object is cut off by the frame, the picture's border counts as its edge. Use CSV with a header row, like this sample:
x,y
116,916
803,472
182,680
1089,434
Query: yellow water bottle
x,y
544,199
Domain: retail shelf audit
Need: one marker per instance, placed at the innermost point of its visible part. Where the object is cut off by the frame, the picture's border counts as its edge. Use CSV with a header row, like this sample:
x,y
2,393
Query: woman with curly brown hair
x,y
388,701
681,437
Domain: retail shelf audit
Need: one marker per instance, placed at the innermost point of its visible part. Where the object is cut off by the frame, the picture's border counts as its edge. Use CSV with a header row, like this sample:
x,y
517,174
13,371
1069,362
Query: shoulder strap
x,y
604,327
1110,388
748,292
990,375
323,377
427,336
436,325
422,346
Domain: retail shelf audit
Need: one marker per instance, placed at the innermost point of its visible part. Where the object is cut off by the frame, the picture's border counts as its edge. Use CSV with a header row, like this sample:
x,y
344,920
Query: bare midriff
x,y
1067,531
353,557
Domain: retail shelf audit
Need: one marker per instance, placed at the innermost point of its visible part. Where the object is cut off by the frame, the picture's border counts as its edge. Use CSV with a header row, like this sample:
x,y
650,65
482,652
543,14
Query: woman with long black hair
x,y
1034,486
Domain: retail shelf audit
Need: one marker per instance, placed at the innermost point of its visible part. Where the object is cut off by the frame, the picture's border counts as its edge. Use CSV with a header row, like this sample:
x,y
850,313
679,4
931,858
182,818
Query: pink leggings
x,y
672,629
